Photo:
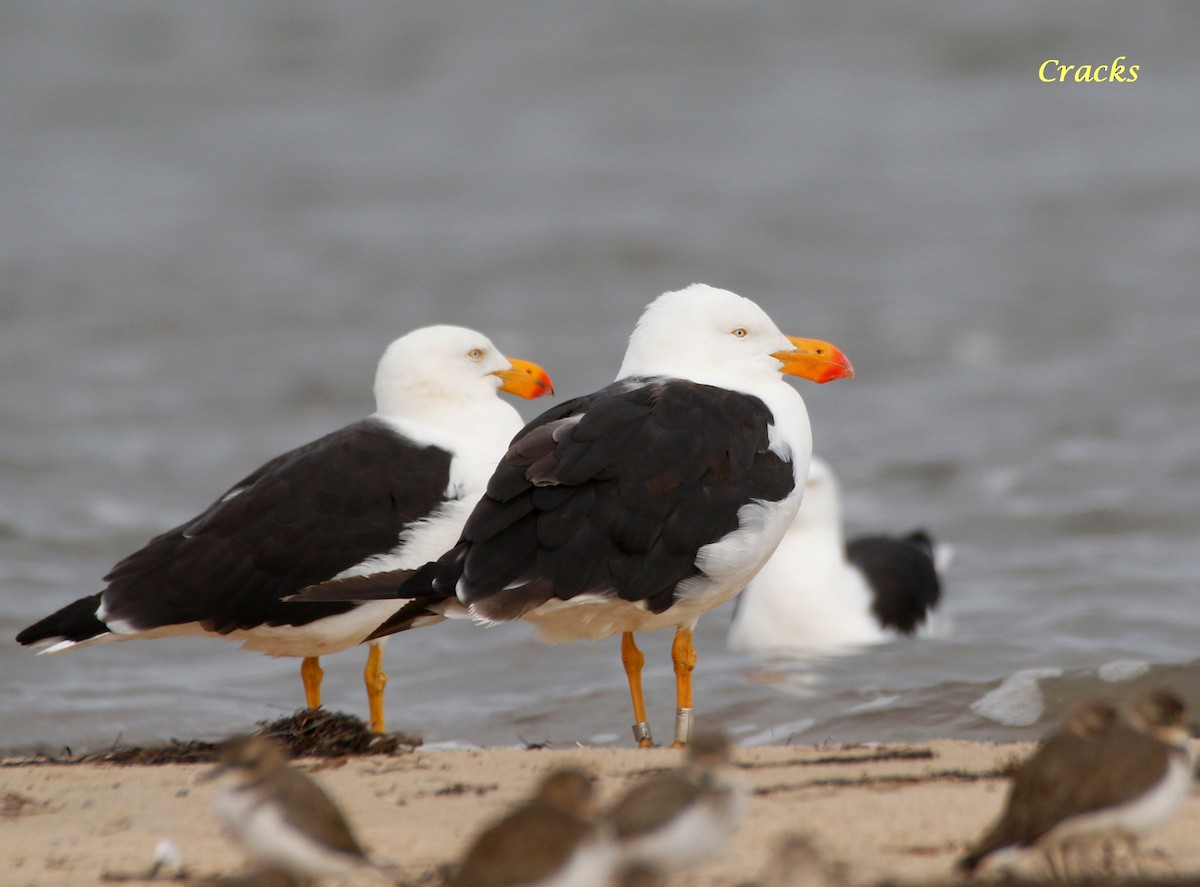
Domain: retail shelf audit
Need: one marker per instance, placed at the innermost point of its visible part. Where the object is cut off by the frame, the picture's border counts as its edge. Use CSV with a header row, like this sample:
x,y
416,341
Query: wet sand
x,y
898,813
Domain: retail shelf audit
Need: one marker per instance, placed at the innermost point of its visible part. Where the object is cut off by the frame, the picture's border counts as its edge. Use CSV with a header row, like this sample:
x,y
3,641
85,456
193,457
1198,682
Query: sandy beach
x,y
887,813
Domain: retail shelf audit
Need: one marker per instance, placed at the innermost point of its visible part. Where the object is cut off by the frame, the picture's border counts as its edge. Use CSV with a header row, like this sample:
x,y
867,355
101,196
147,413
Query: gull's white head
x,y
716,337
450,364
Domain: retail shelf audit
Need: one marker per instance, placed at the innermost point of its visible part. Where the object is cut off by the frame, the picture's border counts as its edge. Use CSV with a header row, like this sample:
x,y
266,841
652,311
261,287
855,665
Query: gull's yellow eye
x,y
475,354
740,333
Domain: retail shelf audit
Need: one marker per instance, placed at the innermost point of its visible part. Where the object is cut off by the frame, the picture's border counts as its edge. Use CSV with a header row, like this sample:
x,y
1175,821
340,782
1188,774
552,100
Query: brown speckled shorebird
x,y
550,840
1100,775
282,818
678,819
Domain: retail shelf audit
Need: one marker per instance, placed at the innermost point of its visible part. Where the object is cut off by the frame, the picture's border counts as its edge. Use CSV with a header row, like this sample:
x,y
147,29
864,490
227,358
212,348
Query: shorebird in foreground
x,y
818,594
283,819
549,841
390,492
1101,775
795,861
678,819
647,503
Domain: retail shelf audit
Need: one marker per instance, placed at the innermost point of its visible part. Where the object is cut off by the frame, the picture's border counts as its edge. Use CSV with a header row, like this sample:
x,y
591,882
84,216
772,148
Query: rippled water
x,y
218,214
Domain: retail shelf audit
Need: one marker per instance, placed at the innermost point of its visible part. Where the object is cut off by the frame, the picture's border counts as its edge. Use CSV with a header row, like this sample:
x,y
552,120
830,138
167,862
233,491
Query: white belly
x,y
320,638
697,834
1138,817
271,840
727,566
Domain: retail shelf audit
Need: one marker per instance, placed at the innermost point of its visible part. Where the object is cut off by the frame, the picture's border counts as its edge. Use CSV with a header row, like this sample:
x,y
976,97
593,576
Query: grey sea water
x,y
217,215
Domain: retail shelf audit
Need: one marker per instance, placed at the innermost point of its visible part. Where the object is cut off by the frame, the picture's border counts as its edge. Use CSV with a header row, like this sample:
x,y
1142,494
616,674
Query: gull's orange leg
x,y
633,660
311,674
683,655
375,680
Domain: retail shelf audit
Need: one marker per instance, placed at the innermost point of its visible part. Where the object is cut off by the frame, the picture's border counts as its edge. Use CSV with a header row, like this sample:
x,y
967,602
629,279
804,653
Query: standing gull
x,y
817,594
649,502
389,492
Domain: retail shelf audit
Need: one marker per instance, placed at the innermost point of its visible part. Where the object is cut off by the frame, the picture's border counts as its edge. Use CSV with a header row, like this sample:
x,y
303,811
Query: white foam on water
x,y
778,734
450,745
1018,701
1122,670
884,700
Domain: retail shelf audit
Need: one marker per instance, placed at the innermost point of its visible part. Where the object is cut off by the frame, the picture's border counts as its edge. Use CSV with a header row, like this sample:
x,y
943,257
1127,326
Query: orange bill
x,y
525,379
814,360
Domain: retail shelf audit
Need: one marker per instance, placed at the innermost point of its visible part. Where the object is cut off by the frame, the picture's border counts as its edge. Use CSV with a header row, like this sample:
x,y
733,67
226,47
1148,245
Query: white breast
x,y
697,834
270,840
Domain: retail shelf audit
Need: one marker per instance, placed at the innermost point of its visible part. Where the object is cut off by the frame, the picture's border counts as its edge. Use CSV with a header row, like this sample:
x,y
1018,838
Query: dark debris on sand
x,y
316,733
309,733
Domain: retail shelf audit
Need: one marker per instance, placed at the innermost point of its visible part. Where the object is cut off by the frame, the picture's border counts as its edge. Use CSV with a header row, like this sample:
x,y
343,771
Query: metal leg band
x,y
641,733
683,725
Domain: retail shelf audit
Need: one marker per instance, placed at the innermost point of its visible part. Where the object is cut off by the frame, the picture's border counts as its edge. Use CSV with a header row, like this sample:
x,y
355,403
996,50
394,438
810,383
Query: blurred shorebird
x,y
551,840
796,862
674,820
282,818
1101,775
